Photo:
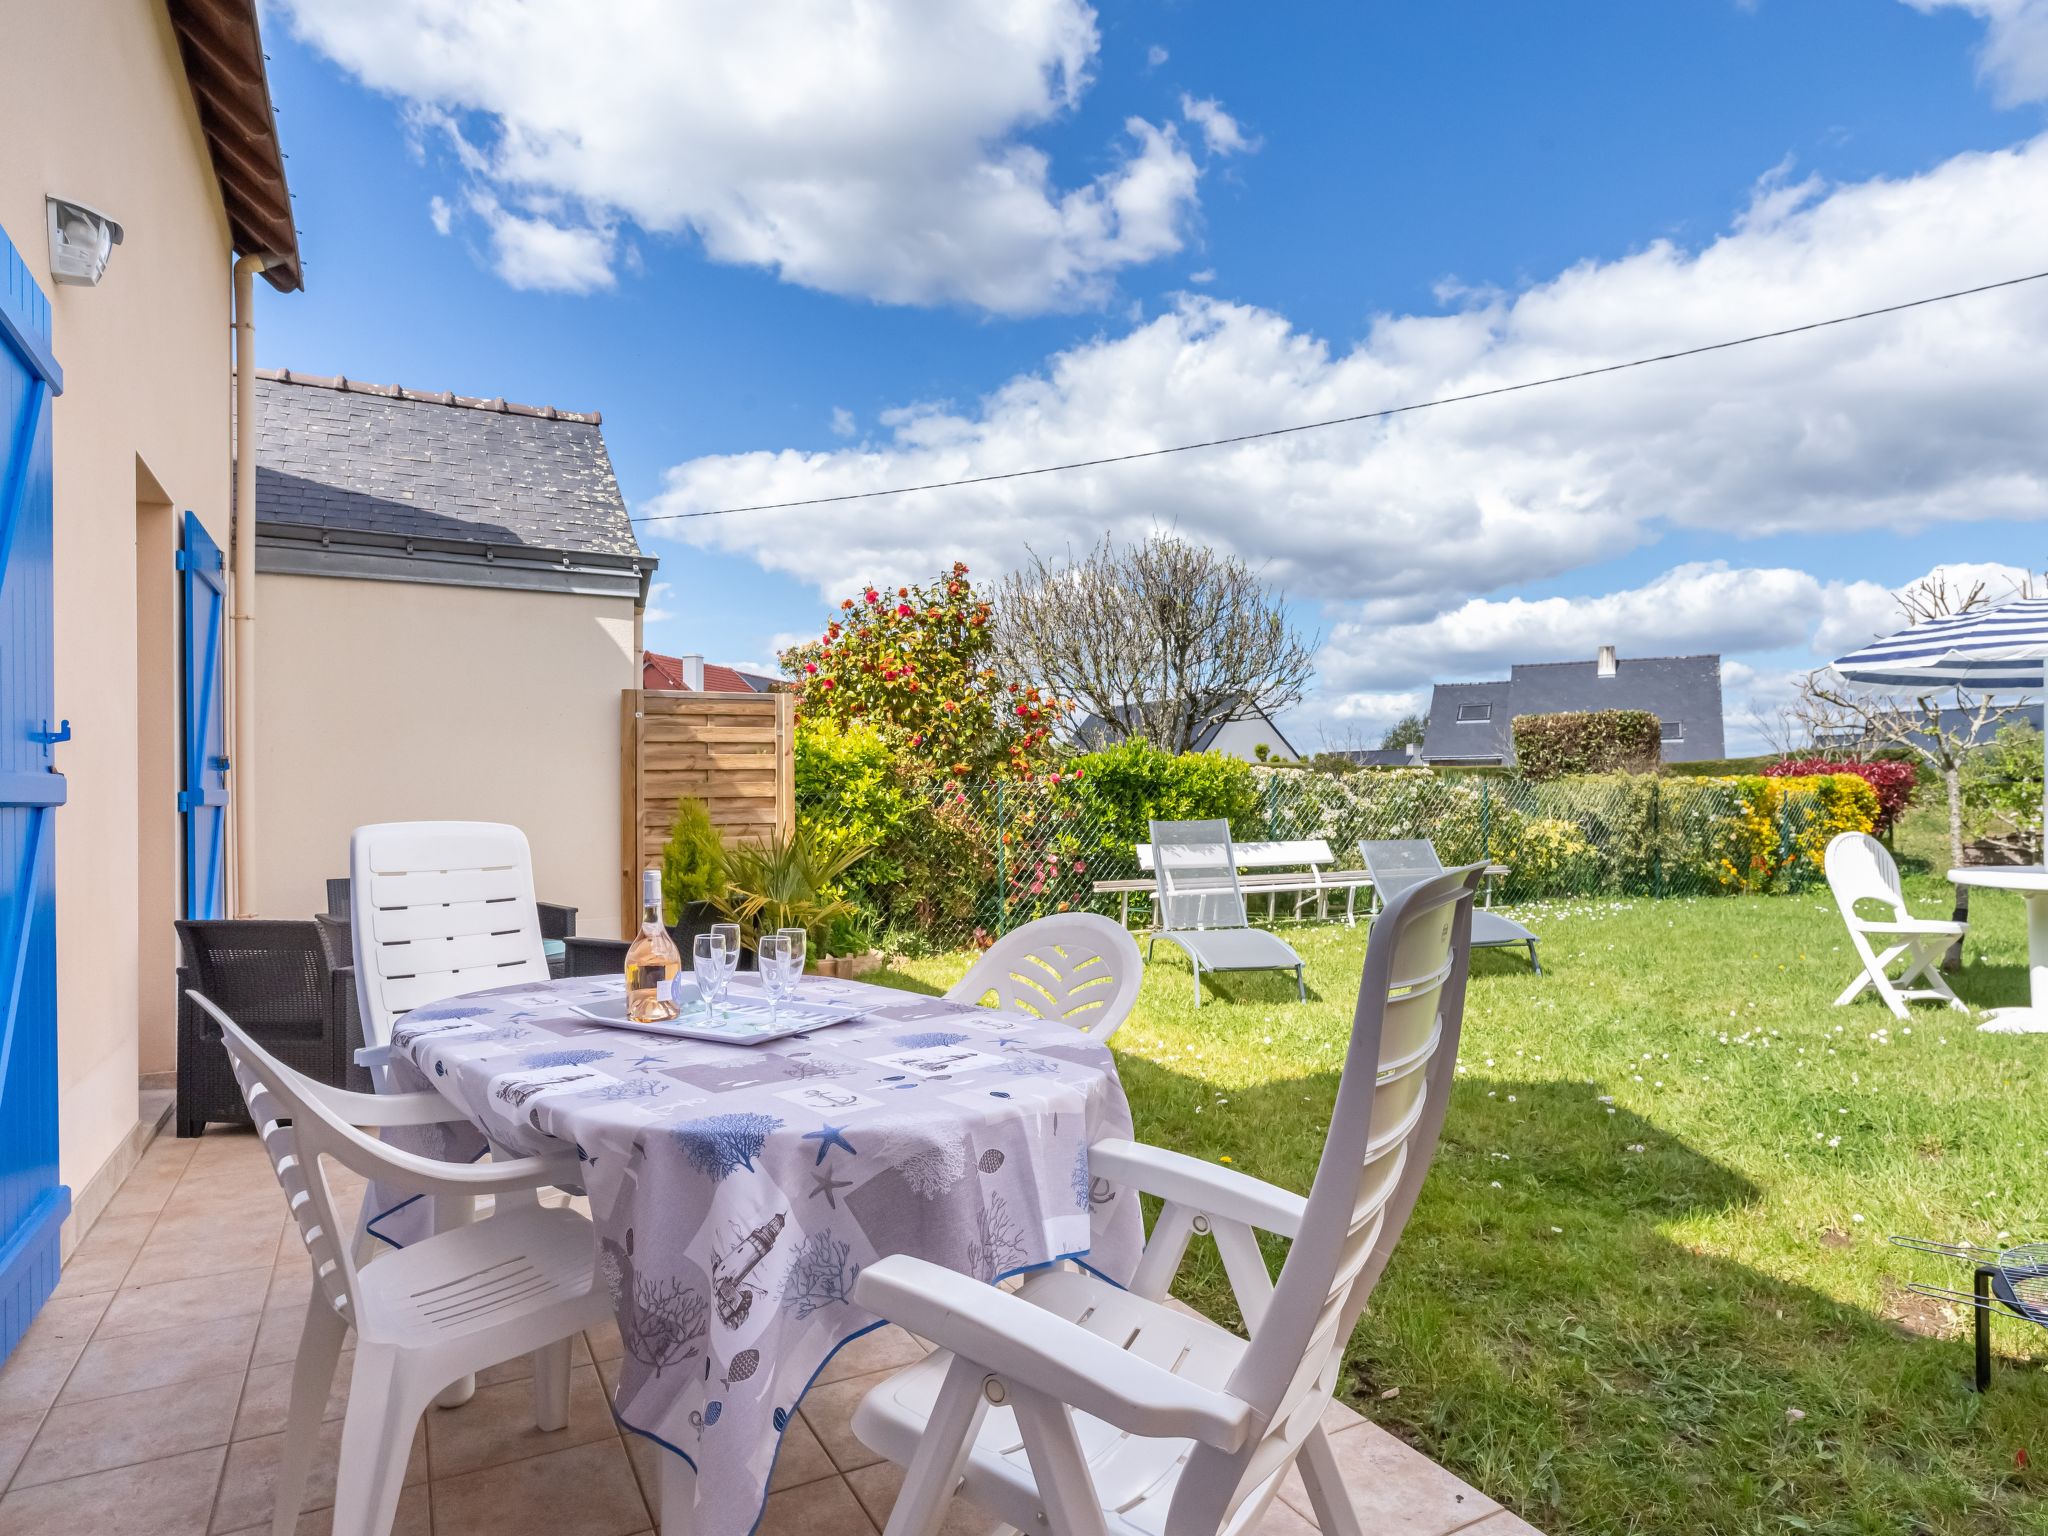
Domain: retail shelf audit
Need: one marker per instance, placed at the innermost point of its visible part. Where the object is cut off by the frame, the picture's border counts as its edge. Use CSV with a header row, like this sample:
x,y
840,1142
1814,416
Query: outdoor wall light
x,y
81,240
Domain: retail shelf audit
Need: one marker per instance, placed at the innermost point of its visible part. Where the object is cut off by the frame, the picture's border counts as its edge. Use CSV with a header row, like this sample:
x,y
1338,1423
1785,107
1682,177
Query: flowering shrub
x,y
1891,781
1779,822
916,664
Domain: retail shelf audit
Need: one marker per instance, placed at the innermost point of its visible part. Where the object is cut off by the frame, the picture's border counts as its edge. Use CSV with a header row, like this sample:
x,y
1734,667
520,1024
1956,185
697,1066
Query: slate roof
x,y
1681,690
335,454
1092,732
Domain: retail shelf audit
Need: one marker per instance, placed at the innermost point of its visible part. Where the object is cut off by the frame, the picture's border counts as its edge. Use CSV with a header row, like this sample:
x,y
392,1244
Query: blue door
x,y
203,801
33,1204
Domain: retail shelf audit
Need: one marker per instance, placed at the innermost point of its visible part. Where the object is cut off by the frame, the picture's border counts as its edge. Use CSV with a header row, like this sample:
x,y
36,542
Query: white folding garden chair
x,y
1076,967
1860,869
1076,1408
1200,906
522,1281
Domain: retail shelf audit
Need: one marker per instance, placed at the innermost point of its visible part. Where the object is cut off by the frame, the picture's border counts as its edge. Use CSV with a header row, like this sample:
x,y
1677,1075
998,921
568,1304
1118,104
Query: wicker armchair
x,y
274,978
337,943
595,957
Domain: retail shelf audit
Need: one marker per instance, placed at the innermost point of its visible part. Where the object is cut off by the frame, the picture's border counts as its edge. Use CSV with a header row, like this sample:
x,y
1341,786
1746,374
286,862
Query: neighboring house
x,y
1473,723
1385,757
1241,735
114,434
1954,723
451,599
693,674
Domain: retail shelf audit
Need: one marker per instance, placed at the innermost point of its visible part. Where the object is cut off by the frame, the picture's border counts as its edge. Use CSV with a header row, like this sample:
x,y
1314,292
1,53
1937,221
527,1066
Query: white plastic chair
x,y
1860,869
1076,967
519,1282
437,908
1080,1409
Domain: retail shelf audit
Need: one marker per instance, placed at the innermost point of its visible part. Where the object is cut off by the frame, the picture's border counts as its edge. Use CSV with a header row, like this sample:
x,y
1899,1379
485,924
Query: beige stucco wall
x,y
401,701
93,106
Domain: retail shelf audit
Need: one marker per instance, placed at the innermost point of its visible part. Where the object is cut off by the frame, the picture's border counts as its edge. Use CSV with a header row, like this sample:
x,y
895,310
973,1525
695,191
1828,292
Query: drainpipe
x,y
242,591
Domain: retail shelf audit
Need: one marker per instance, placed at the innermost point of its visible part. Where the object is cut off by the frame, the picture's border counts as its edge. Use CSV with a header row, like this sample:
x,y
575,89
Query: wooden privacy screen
x,y
733,751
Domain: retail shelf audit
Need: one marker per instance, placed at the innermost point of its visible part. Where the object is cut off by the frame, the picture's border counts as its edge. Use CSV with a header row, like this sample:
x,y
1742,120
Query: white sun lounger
x,y
1397,863
1201,908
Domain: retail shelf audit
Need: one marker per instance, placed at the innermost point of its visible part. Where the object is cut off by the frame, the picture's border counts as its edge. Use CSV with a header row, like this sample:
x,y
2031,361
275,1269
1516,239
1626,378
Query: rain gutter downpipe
x,y
242,592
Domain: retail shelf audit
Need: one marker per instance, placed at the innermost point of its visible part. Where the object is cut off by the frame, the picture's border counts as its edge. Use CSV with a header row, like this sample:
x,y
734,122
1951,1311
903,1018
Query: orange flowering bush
x,y
916,664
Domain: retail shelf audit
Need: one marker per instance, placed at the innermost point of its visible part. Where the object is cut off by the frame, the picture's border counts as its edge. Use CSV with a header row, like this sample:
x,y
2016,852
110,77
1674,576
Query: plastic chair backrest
x,y
1194,874
1076,967
439,908
1383,1133
1860,869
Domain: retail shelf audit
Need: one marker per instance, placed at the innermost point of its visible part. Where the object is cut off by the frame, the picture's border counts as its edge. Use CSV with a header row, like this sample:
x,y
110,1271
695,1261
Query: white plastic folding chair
x,y
1076,967
1077,1408
1860,869
520,1282
437,908
1200,906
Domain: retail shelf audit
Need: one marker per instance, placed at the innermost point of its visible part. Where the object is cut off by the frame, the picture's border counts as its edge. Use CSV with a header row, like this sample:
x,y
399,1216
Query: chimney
x,y
693,673
1604,667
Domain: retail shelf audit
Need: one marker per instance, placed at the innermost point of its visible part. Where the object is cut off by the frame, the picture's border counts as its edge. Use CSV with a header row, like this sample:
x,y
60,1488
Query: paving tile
x,y
291,1281
185,1258
520,1367
97,1436
826,1508
155,1498
829,1411
876,1487
143,1200
248,1486
605,1343
267,1397
277,1336
15,1435
180,1303
203,1226
1396,1489
67,1323
32,1378
1281,1520
89,1274
115,1234
801,1459
888,1348
135,1362
496,1426
588,1489
1500,1523
412,1518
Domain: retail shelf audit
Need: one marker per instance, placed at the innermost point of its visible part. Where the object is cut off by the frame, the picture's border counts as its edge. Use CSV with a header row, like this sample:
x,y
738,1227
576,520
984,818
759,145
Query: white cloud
x,y
843,424
442,215
1220,131
657,596
1902,423
2014,57
868,150
1206,275
1155,56
533,251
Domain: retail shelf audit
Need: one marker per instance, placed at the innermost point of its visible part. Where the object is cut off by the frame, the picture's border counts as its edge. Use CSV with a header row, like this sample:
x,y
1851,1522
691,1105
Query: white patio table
x,y
738,1190
2031,881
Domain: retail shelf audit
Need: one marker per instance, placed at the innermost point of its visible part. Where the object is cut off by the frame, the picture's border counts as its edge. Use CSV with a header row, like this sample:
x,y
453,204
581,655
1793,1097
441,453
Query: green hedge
x,y
1589,741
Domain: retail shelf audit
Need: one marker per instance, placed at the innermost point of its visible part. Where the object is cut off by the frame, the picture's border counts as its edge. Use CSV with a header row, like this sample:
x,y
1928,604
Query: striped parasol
x,y
1988,650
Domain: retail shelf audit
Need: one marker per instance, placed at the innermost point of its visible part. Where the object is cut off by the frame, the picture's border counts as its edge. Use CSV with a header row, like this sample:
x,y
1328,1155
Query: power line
x,y
1345,421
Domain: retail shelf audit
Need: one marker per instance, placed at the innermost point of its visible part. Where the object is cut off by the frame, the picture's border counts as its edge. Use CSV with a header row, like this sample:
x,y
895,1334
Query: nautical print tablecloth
x,y
739,1190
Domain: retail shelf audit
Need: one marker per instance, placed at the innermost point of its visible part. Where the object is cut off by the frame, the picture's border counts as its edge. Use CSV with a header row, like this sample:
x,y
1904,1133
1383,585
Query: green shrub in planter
x,y
692,864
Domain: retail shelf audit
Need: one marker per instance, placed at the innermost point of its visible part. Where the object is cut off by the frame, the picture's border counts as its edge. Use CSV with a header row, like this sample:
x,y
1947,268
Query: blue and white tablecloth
x,y
738,1190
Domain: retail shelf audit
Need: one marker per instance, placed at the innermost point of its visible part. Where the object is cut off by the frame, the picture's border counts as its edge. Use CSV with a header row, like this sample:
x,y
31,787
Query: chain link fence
x,y
1002,852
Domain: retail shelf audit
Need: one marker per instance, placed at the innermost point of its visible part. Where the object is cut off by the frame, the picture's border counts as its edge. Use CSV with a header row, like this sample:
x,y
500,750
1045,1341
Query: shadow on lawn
x,y
1547,1331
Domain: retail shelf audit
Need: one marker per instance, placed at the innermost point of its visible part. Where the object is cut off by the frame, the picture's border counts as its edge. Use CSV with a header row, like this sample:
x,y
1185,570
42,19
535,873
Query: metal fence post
x,y
1486,819
1272,807
1002,863
1656,843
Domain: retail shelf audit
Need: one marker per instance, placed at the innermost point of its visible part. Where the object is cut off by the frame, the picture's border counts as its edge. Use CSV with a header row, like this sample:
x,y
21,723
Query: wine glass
x,y
725,939
707,966
771,953
793,947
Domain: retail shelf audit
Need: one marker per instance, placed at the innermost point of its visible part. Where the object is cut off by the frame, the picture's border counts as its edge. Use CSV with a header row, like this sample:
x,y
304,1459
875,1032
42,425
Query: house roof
x,y
222,48
666,673
1680,690
485,492
1093,732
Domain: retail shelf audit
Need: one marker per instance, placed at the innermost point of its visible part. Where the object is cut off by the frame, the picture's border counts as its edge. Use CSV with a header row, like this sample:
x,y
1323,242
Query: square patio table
x,y
738,1191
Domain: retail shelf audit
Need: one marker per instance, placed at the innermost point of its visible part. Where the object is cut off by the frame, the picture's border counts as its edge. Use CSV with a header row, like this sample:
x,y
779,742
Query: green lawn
x,y
1648,1287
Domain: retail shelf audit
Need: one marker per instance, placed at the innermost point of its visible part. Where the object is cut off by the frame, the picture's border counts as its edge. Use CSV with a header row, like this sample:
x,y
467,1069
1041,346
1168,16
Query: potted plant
x,y
788,882
693,877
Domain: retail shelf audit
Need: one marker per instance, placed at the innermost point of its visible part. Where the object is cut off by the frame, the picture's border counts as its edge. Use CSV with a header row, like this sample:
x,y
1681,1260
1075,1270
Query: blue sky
x,y
1384,201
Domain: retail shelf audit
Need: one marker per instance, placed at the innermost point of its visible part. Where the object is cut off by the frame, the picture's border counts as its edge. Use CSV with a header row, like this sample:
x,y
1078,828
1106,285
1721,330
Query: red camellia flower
x,y
903,591
1023,710
846,602
903,610
873,596
825,683
812,666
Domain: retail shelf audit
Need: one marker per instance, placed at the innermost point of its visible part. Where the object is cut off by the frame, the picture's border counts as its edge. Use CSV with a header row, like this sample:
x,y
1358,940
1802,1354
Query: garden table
x,y
2031,881
738,1190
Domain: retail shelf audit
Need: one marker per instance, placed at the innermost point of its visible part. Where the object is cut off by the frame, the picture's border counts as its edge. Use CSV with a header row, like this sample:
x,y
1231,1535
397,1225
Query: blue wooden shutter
x,y
203,802
33,1204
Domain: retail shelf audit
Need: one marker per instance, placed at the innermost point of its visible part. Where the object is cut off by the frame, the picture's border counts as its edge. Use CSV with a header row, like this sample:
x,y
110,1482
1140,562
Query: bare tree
x,y
1160,639
1940,726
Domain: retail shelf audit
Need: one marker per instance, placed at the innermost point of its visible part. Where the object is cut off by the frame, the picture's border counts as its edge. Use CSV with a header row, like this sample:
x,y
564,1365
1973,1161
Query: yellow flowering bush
x,y
1778,823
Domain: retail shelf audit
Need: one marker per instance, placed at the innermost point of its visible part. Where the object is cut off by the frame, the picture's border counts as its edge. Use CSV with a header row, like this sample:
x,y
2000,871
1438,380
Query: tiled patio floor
x,y
149,1400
